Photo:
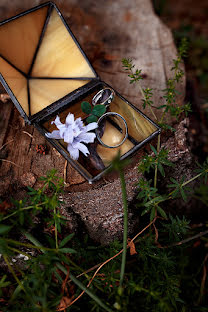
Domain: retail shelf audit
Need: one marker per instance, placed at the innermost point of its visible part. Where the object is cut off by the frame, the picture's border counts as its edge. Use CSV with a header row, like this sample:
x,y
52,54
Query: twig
x,y
144,229
65,171
89,270
186,240
105,262
129,242
88,285
30,135
156,234
11,162
6,144
84,288
190,238
65,281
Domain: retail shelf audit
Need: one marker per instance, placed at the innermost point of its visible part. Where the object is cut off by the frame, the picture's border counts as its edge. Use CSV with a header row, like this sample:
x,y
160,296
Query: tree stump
x,y
107,31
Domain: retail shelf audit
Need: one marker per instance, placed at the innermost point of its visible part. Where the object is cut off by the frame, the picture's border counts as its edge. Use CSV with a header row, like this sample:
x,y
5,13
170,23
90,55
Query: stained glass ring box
x,y
48,78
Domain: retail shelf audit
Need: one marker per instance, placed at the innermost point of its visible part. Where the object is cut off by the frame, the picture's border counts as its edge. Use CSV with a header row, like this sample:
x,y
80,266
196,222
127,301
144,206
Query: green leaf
x,y
160,167
66,239
30,188
152,214
91,118
153,149
86,107
67,250
162,212
145,210
183,194
99,110
161,106
174,181
4,228
3,283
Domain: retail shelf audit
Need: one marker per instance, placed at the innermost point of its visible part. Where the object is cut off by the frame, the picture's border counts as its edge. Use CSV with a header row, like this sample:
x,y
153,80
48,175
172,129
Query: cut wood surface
x,y
107,31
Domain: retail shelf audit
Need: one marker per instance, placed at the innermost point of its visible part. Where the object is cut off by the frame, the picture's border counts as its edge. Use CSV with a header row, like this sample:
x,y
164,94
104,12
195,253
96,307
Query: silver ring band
x,y
126,128
103,97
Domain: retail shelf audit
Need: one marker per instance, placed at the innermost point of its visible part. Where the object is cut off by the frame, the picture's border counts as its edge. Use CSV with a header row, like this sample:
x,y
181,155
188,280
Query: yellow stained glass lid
x,y
40,60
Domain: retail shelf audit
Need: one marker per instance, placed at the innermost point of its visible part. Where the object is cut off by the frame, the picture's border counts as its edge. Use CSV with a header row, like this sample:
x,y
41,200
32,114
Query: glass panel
x,y
17,83
139,128
59,56
19,38
44,92
111,135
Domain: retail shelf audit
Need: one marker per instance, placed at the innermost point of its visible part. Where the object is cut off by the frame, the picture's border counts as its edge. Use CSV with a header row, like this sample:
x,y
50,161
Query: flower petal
x,y
74,152
88,137
79,122
68,135
55,134
58,122
74,132
91,126
62,130
83,148
69,119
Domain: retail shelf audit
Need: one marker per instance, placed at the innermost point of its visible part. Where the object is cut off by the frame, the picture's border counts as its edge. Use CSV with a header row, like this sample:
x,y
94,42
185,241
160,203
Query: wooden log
x,y
107,31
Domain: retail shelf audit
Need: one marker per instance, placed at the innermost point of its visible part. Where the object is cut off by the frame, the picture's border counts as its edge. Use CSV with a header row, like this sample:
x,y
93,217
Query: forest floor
x,y
188,18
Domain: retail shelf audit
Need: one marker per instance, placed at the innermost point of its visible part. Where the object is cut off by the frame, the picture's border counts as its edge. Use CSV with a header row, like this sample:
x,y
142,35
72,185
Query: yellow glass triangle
x,y
19,38
59,56
17,83
44,92
138,127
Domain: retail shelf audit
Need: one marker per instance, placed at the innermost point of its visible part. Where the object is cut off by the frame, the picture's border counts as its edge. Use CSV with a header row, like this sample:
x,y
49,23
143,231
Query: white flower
x,y
74,132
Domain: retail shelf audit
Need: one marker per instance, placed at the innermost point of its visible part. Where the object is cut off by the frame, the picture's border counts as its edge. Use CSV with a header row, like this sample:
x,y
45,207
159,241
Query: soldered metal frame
x,y
70,99
50,108
99,85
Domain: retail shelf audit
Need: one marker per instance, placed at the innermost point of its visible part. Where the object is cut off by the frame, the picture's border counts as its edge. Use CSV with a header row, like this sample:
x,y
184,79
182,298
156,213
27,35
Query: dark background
x,y
189,18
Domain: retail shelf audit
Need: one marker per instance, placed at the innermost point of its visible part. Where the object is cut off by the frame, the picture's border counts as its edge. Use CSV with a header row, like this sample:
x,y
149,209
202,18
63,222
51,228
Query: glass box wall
x,y
140,129
40,60
46,74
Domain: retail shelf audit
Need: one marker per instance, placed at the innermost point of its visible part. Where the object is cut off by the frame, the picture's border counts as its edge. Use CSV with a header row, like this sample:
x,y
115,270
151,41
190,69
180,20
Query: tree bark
x,y
107,31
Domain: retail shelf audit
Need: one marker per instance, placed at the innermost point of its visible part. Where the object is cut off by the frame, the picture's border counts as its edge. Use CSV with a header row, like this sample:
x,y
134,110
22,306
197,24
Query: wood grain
x,y
107,31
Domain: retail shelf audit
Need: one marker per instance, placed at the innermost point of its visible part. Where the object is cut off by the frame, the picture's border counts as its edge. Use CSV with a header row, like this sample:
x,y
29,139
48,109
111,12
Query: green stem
x,y
125,231
169,196
22,209
163,115
182,185
29,245
84,288
143,95
192,179
13,273
156,167
20,252
56,233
